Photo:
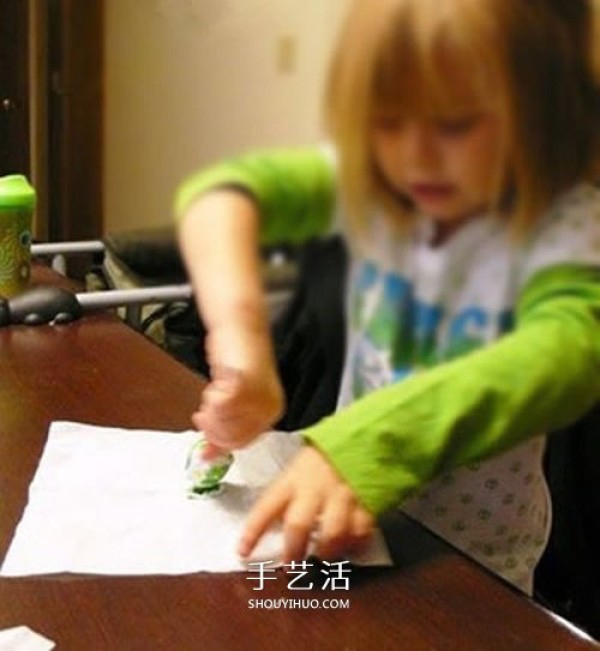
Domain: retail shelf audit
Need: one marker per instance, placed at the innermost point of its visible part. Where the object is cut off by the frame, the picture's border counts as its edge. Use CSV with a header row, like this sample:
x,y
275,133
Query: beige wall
x,y
190,81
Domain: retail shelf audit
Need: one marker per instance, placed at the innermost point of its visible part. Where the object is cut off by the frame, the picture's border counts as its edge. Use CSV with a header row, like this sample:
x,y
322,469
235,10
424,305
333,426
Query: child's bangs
x,y
433,62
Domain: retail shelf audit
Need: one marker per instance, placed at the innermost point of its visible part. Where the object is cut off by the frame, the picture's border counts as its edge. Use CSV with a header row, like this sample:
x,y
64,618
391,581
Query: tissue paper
x,y
22,638
115,501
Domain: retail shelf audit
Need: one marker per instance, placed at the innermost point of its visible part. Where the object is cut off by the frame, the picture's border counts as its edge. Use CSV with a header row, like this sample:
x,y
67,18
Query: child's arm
x,y
542,377
224,213
218,239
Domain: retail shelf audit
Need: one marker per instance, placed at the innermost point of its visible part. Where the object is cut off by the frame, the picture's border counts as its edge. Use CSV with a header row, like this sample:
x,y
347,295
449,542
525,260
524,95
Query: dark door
x,y
75,58
14,95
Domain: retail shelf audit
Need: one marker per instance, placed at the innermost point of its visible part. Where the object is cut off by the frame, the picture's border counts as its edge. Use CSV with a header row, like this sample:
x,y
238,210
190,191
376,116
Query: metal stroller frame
x,y
131,299
134,299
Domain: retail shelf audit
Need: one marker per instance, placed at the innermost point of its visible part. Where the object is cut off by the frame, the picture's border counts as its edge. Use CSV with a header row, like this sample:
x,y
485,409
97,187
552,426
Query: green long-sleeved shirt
x,y
542,375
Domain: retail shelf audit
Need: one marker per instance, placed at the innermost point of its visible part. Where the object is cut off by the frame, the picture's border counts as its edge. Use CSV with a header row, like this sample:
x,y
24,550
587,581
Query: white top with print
x,y
412,305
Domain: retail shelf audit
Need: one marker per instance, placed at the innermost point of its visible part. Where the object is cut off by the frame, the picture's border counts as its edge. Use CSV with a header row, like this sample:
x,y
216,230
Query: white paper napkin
x,y
114,501
22,638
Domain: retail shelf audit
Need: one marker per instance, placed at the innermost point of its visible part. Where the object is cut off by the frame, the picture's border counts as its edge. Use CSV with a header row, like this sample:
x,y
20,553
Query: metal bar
x,y
276,300
133,316
134,296
54,248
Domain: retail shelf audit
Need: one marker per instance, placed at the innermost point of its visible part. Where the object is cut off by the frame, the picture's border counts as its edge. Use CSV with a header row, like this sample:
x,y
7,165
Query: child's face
x,y
448,167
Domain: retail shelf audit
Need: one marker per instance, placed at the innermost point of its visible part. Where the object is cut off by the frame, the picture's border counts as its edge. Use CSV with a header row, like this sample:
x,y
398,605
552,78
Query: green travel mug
x,y
17,203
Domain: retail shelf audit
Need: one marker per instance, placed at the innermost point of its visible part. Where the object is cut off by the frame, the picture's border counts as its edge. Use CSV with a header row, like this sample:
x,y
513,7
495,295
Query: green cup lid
x,y
16,192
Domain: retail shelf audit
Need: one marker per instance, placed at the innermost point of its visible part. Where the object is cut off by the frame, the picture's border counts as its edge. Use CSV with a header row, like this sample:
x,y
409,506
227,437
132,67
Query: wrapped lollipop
x,y
204,476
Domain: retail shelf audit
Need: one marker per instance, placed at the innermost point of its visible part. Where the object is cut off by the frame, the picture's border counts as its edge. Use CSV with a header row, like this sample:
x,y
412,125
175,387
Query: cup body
x,y
16,215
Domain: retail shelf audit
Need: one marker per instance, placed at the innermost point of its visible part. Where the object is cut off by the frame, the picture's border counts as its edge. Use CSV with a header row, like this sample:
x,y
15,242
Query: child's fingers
x,y
336,523
299,522
211,451
227,399
363,526
223,397
198,420
228,434
264,513
363,523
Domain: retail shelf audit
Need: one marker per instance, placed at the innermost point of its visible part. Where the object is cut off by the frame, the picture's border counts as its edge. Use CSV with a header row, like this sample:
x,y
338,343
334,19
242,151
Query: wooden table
x,y
99,371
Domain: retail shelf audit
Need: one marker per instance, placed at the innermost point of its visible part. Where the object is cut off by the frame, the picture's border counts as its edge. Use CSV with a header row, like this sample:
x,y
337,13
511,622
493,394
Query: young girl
x,y
466,138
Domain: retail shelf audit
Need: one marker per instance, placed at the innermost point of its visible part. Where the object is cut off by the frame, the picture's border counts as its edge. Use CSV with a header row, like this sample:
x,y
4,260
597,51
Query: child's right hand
x,y
244,397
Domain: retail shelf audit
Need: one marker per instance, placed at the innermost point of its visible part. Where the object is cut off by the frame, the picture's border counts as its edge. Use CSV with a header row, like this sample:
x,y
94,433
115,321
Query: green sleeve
x,y
294,189
541,377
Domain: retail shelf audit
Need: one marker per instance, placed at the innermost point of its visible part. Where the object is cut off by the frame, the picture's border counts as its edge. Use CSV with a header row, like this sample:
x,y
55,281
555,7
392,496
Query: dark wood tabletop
x,y
99,371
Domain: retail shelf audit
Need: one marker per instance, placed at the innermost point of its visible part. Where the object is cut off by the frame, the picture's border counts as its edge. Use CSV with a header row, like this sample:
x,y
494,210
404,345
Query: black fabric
x,y
567,578
184,335
310,337
152,254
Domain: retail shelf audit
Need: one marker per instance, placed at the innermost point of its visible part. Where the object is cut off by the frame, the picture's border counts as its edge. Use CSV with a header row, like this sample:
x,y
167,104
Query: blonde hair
x,y
533,58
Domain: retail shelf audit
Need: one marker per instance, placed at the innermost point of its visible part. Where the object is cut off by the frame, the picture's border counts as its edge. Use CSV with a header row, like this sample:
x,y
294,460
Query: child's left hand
x,y
308,495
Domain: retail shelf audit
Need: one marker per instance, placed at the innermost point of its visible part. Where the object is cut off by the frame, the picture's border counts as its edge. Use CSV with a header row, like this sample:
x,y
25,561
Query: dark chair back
x,y
568,576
